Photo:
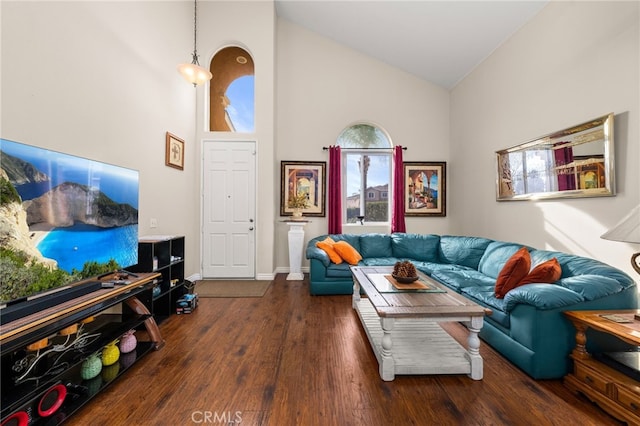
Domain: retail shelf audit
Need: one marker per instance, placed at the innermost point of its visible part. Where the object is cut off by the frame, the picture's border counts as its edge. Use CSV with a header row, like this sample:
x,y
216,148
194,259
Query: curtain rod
x,y
325,148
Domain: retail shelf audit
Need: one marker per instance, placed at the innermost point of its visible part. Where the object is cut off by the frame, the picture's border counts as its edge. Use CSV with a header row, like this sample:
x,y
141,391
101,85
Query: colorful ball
x,y
91,367
128,342
110,354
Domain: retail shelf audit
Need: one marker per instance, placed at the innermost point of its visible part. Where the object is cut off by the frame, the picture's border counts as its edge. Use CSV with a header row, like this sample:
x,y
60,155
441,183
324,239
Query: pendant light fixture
x,y
193,72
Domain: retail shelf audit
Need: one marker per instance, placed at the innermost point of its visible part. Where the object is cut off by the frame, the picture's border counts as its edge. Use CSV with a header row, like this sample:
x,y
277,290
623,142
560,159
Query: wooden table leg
x,y
474,326
580,351
387,365
356,294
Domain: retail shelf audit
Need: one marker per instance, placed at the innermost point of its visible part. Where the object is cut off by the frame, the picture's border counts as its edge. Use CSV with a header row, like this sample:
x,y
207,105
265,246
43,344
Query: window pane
x,y
367,174
241,108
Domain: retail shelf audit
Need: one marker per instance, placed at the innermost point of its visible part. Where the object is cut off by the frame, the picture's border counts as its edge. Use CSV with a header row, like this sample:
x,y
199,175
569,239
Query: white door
x,y
228,210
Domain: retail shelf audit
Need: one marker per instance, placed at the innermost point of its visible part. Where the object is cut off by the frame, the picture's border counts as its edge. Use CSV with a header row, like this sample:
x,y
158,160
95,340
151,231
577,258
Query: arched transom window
x,y
231,98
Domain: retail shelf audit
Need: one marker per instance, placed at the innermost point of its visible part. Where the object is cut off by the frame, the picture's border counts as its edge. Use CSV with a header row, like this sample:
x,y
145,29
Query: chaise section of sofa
x,y
527,326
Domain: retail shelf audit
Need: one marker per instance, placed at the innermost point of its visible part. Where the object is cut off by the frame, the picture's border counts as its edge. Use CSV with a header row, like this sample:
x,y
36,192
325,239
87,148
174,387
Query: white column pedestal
x,y
296,241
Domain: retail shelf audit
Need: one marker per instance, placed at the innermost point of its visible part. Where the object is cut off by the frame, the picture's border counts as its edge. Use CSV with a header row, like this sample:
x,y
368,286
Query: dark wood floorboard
x,y
289,358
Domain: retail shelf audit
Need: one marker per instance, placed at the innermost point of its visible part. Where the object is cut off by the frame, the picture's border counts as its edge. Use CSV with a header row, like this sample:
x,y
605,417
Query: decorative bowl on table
x,y
404,280
404,272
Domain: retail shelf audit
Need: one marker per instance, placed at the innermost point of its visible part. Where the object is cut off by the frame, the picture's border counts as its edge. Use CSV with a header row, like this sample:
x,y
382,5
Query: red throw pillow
x,y
546,272
514,271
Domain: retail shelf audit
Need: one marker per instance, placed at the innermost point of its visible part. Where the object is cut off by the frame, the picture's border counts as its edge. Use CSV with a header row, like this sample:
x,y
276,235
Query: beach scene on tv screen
x,y
59,211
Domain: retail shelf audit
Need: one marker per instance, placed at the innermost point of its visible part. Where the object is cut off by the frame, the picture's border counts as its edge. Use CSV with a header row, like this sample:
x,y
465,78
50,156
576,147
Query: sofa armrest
x,y
541,296
314,252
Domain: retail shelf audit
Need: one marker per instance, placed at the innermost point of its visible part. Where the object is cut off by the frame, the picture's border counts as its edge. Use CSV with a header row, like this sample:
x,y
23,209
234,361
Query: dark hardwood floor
x,y
289,358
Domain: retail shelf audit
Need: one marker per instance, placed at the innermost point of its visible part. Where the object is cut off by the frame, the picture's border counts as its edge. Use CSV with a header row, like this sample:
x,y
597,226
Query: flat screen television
x,y
63,218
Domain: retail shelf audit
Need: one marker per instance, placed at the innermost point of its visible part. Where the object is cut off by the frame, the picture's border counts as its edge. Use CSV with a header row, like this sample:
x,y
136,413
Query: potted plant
x,y
298,202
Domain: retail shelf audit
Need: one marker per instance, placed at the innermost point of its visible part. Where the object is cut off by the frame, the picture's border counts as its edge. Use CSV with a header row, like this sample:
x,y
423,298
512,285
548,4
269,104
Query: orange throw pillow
x,y
327,246
514,271
347,252
546,272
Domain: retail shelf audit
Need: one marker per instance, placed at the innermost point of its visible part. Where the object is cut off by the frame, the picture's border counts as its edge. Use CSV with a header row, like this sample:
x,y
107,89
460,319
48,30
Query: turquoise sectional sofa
x,y
526,326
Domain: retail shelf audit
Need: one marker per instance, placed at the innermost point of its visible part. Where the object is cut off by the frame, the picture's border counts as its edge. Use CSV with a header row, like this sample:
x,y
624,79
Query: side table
x,y
615,392
296,242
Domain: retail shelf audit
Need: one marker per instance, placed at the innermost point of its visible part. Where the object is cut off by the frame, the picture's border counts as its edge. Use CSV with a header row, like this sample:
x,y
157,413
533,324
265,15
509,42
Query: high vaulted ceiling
x,y
439,41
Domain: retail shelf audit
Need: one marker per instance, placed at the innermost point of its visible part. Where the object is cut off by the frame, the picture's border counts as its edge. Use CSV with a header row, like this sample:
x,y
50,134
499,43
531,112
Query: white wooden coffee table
x,y
403,325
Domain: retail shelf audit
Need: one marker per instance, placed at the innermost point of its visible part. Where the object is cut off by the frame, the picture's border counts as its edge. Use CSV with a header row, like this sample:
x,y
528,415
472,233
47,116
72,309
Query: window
x,y
366,174
231,100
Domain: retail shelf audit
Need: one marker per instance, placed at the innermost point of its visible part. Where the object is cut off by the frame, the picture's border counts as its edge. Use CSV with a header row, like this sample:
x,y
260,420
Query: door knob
x,y
251,229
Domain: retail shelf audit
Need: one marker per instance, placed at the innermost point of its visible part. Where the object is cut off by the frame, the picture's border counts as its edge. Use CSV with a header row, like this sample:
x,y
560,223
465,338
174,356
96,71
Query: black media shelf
x,y
164,255
57,366
80,391
42,354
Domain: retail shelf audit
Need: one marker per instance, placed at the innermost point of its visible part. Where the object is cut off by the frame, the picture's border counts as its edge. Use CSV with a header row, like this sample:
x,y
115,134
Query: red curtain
x,y
397,212
335,192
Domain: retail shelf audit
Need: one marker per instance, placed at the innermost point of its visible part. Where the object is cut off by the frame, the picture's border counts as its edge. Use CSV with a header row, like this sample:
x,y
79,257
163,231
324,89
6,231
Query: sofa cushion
x,y
516,268
541,296
415,246
379,261
592,287
461,278
347,252
375,245
327,246
466,251
484,295
545,272
341,270
495,257
574,265
352,239
430,268
315,253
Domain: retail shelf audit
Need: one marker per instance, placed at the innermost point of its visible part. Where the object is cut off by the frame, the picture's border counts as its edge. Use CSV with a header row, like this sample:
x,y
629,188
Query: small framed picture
x,y
174,155
425,189
303,183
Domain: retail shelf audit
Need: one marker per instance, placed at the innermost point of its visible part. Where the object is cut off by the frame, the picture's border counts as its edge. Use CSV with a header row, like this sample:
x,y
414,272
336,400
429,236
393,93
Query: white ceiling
x,y
439,41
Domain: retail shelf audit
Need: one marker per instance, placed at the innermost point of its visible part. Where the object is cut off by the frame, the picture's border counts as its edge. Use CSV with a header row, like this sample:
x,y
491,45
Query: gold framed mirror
x,y
574,162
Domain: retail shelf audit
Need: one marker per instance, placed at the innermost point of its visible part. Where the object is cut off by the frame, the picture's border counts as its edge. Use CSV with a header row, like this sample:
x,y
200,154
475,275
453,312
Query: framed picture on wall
x,y
425,188
174,152
303,187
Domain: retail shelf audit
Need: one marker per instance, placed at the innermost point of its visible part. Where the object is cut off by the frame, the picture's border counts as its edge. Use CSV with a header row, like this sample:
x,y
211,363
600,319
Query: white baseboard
x,y
263,276
193,278
286,270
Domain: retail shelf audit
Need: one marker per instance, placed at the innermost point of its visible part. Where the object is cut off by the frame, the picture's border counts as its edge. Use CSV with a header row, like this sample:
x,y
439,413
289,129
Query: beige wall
x,y
573,62
323,87
98,79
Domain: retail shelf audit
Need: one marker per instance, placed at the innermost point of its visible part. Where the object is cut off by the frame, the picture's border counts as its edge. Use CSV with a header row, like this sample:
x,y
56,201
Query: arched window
x,y
366,174
231,100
